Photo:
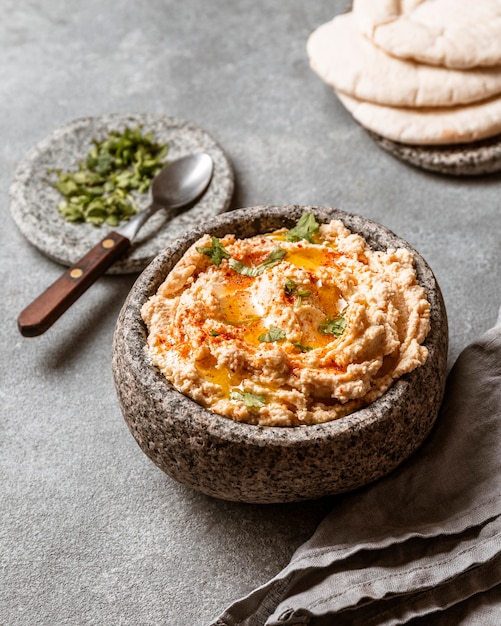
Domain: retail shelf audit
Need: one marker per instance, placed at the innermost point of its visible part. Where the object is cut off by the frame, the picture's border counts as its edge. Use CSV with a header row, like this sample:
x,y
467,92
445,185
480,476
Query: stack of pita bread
x,y
419,72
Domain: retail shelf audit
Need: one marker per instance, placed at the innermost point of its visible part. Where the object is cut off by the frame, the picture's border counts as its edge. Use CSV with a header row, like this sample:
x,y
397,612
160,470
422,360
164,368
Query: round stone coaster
x,y
33,200
474,159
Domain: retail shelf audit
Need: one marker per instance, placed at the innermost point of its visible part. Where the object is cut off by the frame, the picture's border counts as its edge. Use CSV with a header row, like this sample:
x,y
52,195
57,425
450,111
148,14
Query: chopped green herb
x,y
252,401
273,334
214,333
305,228
300,347
273,259
290,286
333,326
101,189
291,289
216,252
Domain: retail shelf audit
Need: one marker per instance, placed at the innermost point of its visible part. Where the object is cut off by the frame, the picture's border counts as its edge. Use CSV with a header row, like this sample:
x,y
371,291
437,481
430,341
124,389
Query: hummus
x,y
288,328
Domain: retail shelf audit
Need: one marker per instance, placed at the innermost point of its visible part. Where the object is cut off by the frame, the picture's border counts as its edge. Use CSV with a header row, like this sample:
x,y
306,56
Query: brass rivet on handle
x,y
76,273
107,243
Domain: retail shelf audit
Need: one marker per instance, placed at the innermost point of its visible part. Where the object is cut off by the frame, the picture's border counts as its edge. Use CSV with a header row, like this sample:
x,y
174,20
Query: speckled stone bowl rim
x,y
220,427
477,158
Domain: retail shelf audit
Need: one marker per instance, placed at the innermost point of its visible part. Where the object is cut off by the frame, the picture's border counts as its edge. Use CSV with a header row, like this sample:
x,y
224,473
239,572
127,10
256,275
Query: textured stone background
x,y
91,532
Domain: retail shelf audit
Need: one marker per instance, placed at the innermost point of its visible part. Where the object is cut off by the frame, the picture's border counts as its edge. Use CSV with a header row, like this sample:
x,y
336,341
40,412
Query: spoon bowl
x,y
177,185
182,181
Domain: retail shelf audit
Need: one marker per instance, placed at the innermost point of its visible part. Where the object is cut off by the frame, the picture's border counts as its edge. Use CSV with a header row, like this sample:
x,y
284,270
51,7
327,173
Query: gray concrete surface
x,y
90,531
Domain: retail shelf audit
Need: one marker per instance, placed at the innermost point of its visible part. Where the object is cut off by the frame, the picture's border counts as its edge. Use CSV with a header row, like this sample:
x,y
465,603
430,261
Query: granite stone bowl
x,y
247,463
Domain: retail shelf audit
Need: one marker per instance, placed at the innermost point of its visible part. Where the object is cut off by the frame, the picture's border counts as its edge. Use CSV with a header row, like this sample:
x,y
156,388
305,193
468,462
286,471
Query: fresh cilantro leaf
x,y
252,401
273,259
305,228
216,252
300,347
290,286
273,334
333,325
291,289
214,333
303,293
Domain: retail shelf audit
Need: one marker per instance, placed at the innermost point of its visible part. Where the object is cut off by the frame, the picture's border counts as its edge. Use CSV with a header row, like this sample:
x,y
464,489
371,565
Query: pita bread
x,y
462,124
350,63
453,33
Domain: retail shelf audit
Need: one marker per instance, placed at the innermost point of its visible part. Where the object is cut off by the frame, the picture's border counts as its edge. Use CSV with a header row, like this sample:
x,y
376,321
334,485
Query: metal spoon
x,y
177,185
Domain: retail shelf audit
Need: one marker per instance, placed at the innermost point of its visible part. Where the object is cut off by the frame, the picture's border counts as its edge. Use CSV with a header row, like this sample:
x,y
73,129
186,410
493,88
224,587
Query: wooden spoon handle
x,y
38,316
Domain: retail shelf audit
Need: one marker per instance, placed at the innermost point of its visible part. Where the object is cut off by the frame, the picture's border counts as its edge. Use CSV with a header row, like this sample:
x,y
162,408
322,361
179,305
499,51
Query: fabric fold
x,y
417,542
405,576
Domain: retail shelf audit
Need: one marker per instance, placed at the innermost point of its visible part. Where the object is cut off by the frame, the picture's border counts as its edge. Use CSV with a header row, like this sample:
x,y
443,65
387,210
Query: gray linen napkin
x,y
421,546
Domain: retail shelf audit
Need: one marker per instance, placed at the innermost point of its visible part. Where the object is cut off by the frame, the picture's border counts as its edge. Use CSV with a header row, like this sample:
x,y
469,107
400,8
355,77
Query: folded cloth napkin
x,y
421,546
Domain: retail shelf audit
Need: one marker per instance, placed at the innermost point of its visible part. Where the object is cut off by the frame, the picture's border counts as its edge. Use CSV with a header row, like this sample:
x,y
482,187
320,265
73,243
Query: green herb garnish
x,y
273,259
214,333
291,288
216,252
305,228
252,401
273,334
300,346
333,325
100,190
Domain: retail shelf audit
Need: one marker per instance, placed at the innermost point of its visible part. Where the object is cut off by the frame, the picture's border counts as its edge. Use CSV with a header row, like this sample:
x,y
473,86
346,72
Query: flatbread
x,y
458,34
350,63
428,126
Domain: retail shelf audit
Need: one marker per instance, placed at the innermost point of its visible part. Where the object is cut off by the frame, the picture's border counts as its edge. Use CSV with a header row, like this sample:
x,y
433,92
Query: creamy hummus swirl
x,y
278,332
